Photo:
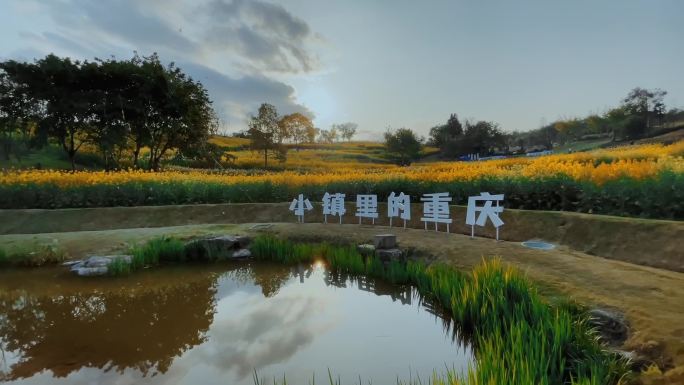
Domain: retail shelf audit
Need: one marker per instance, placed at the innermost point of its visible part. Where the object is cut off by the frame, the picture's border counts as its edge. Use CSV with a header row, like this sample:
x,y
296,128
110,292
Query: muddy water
x,y
216,325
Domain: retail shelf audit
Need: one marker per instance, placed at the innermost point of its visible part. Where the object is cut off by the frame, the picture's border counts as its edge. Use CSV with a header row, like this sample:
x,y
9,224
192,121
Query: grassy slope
x,y
50,157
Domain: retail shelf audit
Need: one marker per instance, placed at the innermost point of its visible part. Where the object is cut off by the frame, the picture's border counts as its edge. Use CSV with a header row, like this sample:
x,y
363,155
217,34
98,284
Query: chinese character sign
x,y
333,204
298,205
486,211
481,208
436,209
367,207
399,206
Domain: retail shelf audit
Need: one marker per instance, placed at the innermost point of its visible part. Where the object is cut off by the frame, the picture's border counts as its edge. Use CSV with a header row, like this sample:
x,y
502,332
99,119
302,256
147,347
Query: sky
x,y
381,64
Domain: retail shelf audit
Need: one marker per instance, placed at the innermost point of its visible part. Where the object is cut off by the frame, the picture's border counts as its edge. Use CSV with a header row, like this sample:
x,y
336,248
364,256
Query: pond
x,y
217,324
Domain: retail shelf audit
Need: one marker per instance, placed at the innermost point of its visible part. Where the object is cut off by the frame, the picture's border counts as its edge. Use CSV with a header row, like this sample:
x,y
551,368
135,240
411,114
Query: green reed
x,y
519,337
152,253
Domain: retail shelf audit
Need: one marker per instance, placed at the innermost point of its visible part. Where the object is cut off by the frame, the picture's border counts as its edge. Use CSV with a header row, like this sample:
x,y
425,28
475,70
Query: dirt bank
x,y
646,242
652,299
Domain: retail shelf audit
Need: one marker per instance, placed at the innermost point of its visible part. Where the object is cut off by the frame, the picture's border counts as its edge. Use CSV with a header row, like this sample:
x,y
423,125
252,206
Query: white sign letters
x,y
333,205
397,203
298,205
435,208
486,211
367,207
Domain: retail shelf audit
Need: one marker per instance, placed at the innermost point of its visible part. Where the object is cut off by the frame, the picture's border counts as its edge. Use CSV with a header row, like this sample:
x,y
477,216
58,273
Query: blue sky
x,y
379,63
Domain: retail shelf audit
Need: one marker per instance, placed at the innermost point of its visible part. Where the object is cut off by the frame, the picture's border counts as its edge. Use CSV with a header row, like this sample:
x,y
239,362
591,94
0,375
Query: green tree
x,y
442,135
402,146
64,91
266,134
645,104
483,138
17,113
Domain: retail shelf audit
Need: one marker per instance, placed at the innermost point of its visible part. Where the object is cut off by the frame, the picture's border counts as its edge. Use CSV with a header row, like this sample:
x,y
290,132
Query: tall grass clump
x,y
519,338
157,250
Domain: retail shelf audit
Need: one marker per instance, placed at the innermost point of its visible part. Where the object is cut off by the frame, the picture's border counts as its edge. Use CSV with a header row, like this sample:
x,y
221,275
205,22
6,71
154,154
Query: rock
x,y
71,263
211,248
243,241
385,241
387,255
611,326
242,253
91,271
229,241
97,265
96,261
366,249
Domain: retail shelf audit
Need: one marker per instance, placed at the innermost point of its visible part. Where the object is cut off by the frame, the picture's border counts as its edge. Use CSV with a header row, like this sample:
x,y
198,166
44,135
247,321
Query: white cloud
x,y
238,49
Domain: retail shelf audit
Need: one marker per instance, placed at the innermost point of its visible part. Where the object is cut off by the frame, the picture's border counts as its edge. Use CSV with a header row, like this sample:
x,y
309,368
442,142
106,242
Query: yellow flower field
x,y
599,166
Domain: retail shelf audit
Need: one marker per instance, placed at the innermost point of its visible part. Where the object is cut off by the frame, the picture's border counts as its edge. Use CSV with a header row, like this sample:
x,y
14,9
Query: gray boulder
x,y
216,247
612,326
387,255
385,241
96,265
242,254
366,249
229,241
91,271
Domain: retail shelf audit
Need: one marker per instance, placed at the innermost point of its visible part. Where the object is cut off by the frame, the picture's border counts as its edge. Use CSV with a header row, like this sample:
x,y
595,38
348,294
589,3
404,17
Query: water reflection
x,y
213,324
115,330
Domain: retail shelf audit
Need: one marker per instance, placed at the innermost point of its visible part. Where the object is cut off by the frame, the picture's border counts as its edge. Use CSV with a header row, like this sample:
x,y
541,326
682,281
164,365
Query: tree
x,y
186,117
59,85
442,135
298,127
265,133
327,136
402,146
110,104
108,131
644,103
615,120
482,138
17,112
346,130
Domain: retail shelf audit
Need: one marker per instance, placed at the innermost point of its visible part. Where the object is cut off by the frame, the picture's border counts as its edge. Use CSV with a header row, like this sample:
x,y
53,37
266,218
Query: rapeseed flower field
x,y
641,172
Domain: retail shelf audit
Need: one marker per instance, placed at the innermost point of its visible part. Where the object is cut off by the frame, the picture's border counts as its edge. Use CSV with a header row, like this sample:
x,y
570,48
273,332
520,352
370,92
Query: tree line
x,y
269,132
118,106
641,113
